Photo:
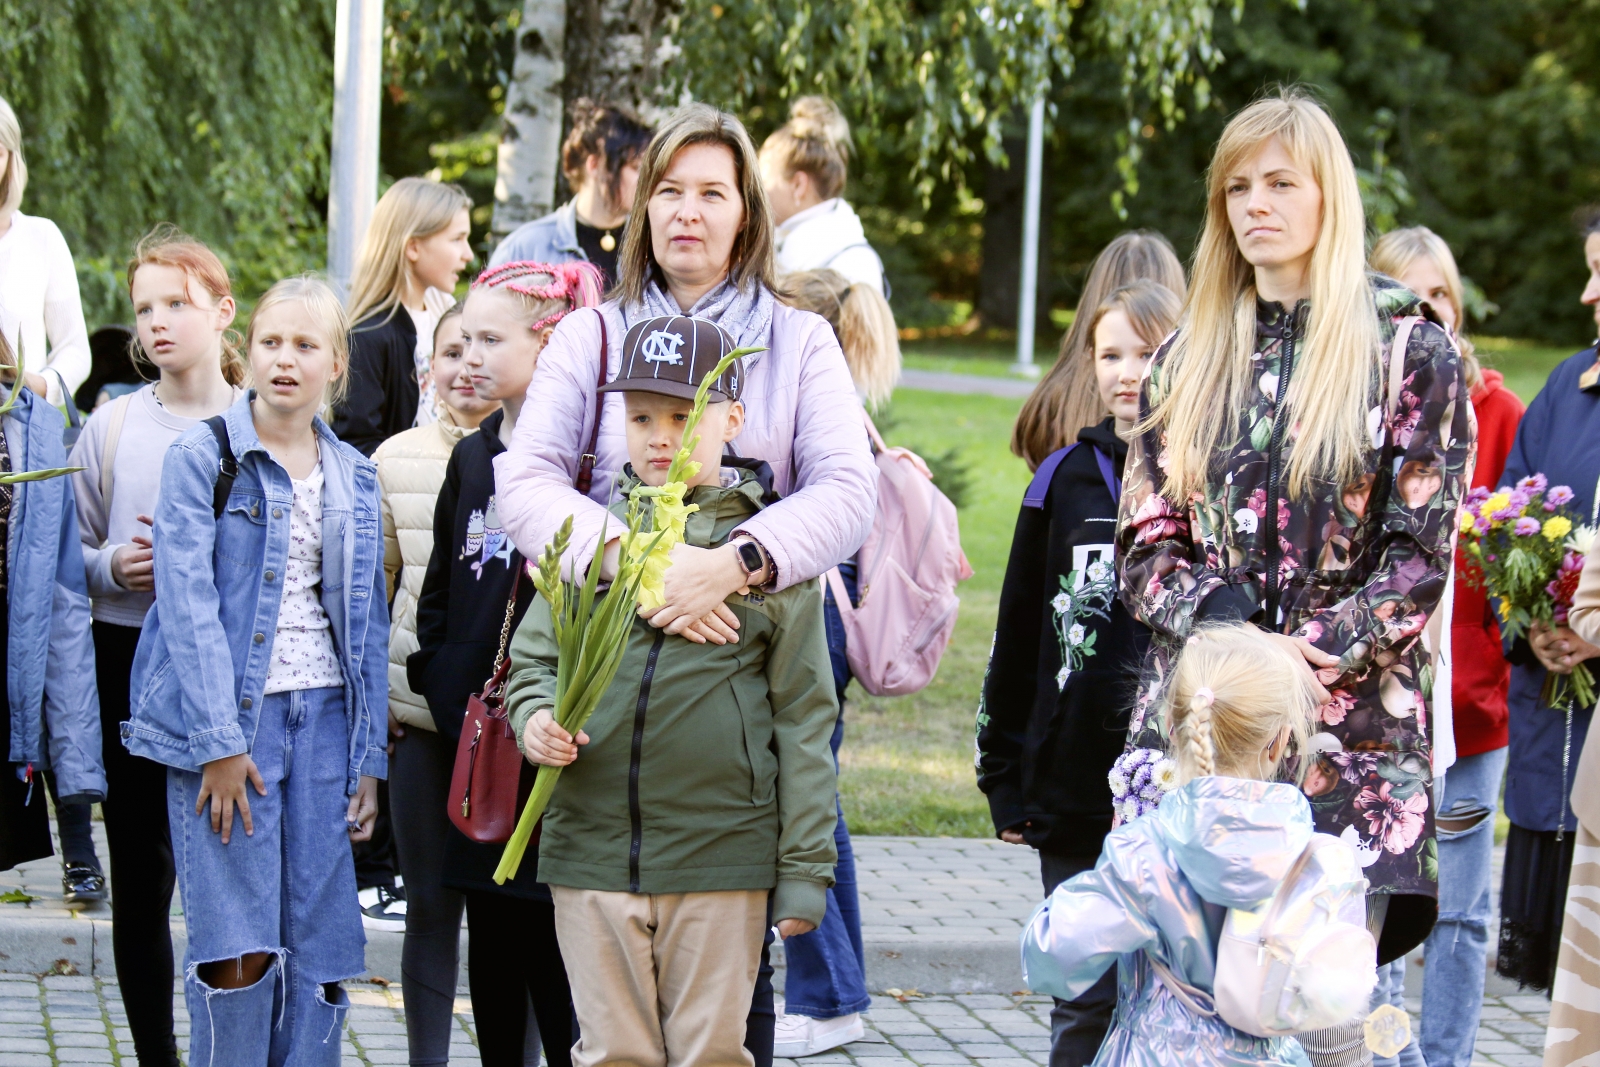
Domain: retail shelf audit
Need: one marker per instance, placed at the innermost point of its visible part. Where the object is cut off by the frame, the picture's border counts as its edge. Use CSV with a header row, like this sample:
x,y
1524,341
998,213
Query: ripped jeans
x,y
1455,953
288,890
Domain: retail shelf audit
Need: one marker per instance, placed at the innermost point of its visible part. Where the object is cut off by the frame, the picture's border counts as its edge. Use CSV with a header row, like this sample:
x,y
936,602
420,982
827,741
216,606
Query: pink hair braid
x,y
577,283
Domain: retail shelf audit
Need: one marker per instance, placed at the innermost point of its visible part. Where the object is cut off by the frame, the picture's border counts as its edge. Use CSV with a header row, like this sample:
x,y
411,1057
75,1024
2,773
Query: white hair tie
x,y
1205,696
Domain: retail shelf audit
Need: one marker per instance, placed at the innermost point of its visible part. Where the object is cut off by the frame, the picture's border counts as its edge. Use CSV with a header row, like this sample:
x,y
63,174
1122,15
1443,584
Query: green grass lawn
x,y
906,765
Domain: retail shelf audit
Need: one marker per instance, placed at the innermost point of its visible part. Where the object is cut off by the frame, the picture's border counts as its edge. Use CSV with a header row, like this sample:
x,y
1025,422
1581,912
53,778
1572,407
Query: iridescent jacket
x,y
1162,888
1358,569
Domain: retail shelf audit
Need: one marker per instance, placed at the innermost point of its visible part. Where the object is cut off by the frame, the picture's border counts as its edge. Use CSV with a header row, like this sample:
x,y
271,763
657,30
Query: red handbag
x,y
486,788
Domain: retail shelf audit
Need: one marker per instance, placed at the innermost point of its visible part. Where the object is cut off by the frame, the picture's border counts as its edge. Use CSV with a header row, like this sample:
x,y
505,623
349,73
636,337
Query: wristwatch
x,y
751,557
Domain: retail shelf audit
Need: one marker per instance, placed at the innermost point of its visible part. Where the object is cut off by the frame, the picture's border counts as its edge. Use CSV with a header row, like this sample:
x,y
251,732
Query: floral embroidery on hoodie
x,y
1361,567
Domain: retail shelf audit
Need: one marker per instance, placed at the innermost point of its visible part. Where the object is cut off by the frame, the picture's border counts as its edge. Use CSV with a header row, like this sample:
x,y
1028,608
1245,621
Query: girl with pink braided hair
x,y
508,317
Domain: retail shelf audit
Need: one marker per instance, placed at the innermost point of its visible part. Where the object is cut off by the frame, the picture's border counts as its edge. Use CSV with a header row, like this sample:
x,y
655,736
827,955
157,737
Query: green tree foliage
x,y
210,115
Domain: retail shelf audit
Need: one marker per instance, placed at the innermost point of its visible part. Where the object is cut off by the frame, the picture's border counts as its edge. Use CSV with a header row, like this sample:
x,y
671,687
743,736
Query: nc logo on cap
x,y
662,347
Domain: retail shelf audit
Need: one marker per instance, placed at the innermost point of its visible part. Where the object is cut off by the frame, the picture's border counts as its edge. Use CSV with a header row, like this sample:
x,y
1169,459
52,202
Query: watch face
x,y
751,557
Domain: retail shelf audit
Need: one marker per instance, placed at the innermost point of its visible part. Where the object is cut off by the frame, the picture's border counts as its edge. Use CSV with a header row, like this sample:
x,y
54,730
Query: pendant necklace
x,y
608,242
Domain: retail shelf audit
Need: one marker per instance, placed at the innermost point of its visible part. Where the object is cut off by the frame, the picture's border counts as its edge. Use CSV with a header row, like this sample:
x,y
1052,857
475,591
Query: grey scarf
x,y
747,316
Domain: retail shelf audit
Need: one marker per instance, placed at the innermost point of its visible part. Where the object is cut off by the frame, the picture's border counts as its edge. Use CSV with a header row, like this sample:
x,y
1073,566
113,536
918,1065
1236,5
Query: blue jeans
x,y
1457,949
828,967
288,890
1391,989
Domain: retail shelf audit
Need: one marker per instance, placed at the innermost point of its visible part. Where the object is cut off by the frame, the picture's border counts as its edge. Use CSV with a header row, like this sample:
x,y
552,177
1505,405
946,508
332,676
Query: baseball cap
x,y
672,354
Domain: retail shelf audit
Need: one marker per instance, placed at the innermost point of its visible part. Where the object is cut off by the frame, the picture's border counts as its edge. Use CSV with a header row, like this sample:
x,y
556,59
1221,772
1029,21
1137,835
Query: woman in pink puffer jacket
x,y
699,242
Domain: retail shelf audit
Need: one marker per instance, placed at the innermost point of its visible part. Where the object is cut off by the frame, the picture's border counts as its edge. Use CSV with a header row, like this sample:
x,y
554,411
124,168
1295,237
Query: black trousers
x,y
513,957
1078,1026
142,874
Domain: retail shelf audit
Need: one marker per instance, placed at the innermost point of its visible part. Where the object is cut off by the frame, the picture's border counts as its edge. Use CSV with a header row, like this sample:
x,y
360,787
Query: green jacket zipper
x,y
634,815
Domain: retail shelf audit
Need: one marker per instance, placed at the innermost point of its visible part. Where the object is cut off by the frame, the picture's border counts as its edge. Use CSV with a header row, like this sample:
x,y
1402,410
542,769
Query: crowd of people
x,y
1232,659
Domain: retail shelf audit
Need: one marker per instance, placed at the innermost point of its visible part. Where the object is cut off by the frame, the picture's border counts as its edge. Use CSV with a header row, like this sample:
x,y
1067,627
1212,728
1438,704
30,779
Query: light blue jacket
x,y
50,686
202,661
1162,888
552,239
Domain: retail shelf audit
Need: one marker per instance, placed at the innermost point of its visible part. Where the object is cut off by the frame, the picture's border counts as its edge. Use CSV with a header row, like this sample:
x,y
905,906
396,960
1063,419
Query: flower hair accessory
x,y
578,284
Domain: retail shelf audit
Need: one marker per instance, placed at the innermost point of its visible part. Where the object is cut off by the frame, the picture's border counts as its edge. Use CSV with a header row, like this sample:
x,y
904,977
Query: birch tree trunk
x,y
615,52
530,138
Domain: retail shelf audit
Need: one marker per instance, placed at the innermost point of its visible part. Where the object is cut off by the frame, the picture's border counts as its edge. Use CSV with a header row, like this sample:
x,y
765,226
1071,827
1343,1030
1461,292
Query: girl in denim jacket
x,y
260,680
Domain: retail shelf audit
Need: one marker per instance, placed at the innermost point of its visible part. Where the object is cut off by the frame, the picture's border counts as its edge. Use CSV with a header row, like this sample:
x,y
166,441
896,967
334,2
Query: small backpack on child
x,y
1302,961
898,627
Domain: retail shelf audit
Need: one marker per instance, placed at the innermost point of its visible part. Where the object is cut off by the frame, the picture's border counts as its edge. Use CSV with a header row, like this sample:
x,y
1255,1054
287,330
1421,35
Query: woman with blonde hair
x,y
804,166
1289,472
862,321
1065,400
40,314
1469,797
415,248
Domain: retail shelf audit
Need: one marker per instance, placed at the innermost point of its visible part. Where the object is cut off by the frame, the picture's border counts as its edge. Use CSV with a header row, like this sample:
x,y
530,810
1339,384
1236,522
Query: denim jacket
x,y
50,685
202,661
551,239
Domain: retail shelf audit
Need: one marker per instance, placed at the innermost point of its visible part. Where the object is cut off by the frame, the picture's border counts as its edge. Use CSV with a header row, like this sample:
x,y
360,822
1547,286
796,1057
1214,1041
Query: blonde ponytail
x,y
1233,692
862,321
816,140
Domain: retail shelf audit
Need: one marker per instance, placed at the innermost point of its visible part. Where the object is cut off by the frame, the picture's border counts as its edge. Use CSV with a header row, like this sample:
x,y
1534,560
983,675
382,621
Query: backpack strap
x,y
1039,488
108,451
1195,999
227,465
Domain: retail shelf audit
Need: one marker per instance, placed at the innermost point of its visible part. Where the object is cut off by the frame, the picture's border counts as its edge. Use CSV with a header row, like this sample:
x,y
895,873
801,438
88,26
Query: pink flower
x,y
1557,496
1340,704
1477,496
1157,521
1405,425
1396,823
1526,527
1534,483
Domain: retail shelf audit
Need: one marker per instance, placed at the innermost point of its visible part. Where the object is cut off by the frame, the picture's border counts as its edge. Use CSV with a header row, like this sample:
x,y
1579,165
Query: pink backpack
x,y
908,569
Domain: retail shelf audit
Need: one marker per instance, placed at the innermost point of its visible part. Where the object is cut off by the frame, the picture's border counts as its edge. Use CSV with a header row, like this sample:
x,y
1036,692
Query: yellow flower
x,y
1557,527
1495,503
1466,522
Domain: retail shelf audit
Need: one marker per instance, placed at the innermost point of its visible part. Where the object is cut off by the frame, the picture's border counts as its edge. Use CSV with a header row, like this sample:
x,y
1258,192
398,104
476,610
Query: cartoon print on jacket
x,y
1360,569
486,536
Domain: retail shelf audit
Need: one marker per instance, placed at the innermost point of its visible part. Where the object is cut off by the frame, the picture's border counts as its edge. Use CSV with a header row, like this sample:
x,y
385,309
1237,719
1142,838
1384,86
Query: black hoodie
x,y
1049,729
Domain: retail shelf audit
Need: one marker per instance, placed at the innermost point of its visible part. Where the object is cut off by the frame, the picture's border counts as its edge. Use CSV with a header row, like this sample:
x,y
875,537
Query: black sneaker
x,y
82,885
383,908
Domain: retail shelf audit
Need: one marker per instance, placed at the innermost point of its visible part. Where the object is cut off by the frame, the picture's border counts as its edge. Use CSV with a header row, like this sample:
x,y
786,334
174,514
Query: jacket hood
x,y
1103,435
1493,381
821,231
1234,839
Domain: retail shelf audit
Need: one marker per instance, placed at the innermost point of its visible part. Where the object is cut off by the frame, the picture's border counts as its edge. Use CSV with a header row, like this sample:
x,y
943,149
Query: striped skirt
x,y
1574,1034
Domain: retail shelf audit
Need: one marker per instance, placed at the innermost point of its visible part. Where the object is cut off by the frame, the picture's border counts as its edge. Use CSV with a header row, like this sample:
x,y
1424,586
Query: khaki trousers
x,y
661,980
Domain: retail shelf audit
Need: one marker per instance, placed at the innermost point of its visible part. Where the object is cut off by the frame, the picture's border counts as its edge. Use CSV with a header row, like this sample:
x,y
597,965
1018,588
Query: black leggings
x,y
512,956
142,875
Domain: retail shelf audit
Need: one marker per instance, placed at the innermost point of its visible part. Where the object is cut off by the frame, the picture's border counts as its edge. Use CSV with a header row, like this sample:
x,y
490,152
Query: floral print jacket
x,y
1360,568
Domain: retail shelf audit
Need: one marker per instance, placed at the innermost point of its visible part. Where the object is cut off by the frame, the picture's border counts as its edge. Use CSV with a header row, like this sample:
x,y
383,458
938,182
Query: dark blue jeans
x,y
828,967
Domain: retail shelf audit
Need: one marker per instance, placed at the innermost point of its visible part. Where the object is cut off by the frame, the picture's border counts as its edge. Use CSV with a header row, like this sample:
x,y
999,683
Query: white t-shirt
x,y
39,304
303,656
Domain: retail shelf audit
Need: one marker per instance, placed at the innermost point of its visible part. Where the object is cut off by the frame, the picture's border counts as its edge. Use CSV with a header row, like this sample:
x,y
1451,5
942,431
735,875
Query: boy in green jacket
x,y
704,795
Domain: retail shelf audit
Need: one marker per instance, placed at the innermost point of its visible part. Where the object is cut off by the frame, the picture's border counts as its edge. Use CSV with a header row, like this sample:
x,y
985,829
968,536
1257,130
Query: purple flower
x,y
1526,527
1534,483
1477,496
1558,495
1520,498
1481,525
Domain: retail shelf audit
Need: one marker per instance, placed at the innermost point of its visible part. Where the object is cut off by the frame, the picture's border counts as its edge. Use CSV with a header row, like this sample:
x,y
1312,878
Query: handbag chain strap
x,y
497,681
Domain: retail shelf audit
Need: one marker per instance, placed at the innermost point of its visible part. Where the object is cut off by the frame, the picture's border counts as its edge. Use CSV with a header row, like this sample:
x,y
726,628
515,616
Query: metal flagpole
x,y
353,167
1030,242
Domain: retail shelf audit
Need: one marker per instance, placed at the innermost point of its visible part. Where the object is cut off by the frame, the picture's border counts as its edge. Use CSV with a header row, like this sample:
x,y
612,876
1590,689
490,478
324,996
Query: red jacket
x,y
1481,674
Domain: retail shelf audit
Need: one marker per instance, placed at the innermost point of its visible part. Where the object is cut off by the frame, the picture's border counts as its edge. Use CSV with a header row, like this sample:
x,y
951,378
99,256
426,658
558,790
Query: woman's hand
x,y
133,566
363,809
696,585
544,741
1012,837
222,783
788,928
1323,666
1558,648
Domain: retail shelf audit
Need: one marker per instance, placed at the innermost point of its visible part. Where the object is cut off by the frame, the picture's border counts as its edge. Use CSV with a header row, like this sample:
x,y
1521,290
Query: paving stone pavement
x,y
61,1021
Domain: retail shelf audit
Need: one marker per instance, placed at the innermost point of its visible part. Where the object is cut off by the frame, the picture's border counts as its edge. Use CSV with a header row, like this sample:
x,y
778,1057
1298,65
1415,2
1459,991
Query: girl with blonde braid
x,y
1225,835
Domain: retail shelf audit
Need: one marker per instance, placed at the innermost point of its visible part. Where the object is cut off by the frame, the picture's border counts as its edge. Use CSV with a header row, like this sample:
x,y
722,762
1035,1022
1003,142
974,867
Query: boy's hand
x,y
788,928
222,783
544,741
363,809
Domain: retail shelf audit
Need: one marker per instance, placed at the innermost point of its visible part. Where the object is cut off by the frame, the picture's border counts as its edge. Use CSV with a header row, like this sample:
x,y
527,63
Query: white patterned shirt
x,y
303,656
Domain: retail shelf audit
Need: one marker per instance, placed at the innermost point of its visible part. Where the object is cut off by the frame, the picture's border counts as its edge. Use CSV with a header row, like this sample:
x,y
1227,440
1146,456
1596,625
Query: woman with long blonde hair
x,y
1282,475
415,248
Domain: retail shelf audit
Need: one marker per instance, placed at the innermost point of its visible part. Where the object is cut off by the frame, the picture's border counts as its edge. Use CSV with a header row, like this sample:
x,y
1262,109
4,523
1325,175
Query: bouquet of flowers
x,y
1521,546
1139,779
590,637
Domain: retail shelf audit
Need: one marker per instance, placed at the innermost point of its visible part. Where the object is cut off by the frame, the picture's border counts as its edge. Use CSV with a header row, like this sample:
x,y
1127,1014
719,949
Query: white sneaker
x,y
383,908
801,1035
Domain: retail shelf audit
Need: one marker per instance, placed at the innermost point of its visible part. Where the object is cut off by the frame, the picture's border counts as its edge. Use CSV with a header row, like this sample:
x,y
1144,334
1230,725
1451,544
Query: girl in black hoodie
x,y
1065,662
